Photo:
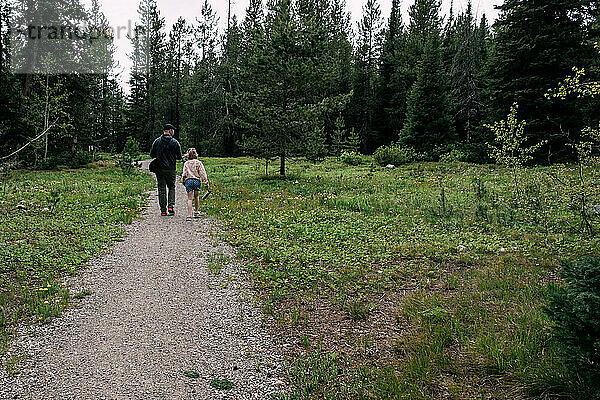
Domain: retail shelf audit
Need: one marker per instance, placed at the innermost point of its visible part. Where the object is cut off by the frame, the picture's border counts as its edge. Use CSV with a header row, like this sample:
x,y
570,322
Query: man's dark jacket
x,y
168,150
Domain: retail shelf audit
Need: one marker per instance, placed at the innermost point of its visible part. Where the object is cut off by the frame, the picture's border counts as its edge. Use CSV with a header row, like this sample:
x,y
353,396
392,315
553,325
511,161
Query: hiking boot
x,y
188,219
196,214
163,213
170,211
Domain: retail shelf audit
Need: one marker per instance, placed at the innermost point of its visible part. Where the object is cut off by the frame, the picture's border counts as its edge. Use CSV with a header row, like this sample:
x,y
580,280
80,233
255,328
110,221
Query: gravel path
x,y
155,312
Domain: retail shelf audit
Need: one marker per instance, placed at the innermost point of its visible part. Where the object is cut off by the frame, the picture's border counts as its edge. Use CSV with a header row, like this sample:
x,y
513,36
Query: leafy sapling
x,y
509,136
582,191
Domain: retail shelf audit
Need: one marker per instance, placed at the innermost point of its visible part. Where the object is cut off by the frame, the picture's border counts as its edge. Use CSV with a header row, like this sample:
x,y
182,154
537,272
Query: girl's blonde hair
x,y
192,154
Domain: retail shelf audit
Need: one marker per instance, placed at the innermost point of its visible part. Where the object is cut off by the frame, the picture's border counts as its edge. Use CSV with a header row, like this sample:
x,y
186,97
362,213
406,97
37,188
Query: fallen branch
x,y
52,125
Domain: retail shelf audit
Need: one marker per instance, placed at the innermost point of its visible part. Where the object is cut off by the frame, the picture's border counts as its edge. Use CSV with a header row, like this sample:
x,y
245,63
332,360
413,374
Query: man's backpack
x,y
157,165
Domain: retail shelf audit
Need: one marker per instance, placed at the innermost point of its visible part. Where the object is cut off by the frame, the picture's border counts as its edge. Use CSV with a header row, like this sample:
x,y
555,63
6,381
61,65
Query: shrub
x,y
575,311
475,153
453,156
77,159
315,145
48,164
351,158
508,150
394,154
129,154
69,159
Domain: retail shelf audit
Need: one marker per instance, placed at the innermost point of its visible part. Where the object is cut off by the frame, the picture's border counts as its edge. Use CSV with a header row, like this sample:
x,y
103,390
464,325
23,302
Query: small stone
x,y
390,166
279,383
45,209
502,250
461,248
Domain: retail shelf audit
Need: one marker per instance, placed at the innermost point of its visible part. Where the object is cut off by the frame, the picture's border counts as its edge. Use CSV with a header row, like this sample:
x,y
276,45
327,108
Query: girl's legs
x,y
196,200
189,203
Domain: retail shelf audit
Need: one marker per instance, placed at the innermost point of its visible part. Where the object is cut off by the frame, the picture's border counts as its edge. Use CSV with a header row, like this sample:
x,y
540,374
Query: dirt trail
x,y
155,312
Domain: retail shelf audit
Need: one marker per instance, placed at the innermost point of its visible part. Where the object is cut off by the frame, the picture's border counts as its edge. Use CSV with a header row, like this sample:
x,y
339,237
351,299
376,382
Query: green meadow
x,y
51,224
418,282
424,281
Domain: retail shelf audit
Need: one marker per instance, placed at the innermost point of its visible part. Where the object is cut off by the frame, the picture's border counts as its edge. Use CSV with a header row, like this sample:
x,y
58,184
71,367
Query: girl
x,y
193,176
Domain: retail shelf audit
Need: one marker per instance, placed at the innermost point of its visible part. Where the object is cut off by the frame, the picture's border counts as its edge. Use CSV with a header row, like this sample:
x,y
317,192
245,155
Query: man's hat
x,y
168,127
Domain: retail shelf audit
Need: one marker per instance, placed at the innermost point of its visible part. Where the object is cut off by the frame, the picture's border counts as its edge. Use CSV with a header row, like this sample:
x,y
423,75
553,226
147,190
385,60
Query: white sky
x,y
124,12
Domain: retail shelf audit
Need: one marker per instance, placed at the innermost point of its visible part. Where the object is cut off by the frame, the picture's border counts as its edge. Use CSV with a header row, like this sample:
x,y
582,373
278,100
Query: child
x,y
193,176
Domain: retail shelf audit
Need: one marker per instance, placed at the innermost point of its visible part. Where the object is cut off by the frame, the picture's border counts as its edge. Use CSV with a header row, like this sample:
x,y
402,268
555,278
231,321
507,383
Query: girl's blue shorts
x,y
193,184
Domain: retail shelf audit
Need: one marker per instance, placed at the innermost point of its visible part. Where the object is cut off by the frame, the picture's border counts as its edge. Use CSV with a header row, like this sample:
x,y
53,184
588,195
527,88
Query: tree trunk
x,y
46,116
282,165
178,90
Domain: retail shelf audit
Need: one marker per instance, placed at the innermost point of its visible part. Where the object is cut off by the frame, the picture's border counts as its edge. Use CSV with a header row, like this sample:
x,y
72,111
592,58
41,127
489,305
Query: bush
x,y
77,159
315,145
69,159
575,311
351,158
128,156
453,156
48,164
394,154
475,153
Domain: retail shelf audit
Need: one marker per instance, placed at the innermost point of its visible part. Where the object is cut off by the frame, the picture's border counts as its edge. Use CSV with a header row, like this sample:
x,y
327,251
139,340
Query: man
x,y
168,150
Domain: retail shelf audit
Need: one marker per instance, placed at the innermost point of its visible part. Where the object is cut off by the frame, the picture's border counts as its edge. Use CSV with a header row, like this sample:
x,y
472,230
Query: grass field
x,y
425,281
51,224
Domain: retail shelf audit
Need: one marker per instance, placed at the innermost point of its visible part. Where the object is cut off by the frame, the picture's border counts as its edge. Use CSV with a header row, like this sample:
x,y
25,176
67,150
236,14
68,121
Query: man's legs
x,y
171,177
162,190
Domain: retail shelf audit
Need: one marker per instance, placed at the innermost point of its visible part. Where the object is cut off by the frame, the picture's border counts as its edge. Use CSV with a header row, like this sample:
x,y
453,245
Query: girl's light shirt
x,y
194,169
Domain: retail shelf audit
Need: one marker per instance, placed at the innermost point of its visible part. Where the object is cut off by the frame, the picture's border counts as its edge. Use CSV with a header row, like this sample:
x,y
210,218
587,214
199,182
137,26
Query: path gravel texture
x,y
155,312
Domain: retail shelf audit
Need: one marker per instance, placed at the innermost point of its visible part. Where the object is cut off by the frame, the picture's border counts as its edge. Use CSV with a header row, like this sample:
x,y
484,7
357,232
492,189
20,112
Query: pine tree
x,y
353,143
9,86
424,22
93,114
204,92
324,28
364,100
252,48
338,137
535,45
468,49
428,124
229,75
149,91
282,110
253,25
340,47
179,54
392,93
35,102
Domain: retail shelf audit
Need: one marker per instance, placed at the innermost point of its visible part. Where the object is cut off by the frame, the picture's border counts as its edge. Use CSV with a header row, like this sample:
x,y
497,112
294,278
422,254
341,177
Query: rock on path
x,y
156,311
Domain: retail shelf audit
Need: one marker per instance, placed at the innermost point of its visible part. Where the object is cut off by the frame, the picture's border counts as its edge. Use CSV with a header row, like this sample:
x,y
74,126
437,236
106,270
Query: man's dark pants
x,y
166,180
